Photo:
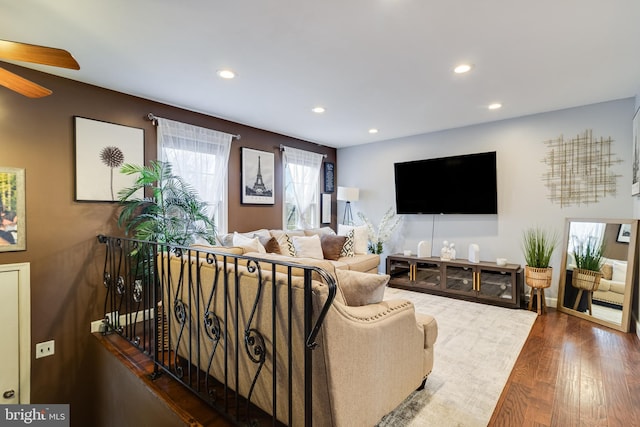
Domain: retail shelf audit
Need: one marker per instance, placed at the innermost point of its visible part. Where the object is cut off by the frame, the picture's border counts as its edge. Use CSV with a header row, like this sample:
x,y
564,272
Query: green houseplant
x,y
172,214
538,246
589,257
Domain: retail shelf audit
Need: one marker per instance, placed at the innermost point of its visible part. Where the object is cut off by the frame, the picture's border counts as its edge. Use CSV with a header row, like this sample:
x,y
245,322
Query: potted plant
x,y
538,246
588,254
172,214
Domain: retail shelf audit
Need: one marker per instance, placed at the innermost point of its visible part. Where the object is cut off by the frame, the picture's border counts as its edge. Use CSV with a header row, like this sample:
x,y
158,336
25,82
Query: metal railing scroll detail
x,y
225,326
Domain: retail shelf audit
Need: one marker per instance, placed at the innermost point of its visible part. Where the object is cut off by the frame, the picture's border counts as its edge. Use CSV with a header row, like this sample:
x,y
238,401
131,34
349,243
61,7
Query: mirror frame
x,y
632,255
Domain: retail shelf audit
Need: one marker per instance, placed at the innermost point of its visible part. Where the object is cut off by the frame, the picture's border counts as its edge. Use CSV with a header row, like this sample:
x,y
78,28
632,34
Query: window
x,y
301,188
200,156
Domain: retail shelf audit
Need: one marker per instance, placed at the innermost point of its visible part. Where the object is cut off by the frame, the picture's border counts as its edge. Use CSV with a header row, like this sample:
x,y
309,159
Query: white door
x,y
15,364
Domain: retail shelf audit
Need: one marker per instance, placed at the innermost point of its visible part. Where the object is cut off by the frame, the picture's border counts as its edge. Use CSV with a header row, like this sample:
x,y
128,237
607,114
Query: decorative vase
x,y
587,280
538,277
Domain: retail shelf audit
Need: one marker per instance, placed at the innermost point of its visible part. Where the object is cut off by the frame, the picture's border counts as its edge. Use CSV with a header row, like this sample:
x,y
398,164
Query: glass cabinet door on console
x,y
460,279
480,282
497,284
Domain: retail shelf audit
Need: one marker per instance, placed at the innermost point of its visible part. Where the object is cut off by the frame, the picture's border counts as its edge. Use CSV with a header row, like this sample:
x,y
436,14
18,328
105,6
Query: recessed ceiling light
x,y
462,68
226,74
495,106
373,130
318,110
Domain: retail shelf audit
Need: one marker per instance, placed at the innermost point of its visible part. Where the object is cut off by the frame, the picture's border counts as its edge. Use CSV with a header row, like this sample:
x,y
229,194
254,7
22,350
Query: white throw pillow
x,y
248,244
619,271
360,288
360,235
286,244
308,246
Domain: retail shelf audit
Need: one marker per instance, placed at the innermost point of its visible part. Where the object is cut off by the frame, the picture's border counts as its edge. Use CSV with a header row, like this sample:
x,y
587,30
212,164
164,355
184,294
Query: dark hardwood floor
x,y
572,372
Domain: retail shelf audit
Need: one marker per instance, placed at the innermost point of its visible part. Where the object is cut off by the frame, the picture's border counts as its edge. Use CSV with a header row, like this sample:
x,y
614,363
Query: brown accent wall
x,y
65,259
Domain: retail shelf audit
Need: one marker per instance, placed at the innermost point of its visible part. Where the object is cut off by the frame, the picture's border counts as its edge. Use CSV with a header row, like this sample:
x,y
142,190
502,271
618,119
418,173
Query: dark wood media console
x,y
484,282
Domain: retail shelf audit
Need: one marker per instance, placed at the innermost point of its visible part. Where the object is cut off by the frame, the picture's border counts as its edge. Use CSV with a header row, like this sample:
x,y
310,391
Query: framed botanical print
x,y
101,150
257,177
12,210
329,177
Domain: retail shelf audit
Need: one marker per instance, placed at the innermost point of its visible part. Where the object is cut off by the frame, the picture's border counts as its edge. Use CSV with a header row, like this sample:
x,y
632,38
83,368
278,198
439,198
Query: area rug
x,y
474,354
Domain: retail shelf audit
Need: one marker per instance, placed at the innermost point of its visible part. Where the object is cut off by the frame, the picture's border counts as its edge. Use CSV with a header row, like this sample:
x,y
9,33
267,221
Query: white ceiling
x,y
371,63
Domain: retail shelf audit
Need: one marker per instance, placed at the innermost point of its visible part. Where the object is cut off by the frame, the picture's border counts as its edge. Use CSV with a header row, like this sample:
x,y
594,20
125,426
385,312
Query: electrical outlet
x,y
44,349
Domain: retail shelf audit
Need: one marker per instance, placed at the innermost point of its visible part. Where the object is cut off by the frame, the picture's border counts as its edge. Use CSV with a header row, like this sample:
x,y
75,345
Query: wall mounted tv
x,y
464,184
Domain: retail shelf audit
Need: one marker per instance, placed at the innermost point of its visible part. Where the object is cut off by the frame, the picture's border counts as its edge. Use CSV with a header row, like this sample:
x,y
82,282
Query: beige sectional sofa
x,y
345,252
371,354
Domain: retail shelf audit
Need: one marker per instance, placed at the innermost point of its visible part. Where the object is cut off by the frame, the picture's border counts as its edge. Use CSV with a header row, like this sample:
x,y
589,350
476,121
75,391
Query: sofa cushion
x,y
607,271
361,262
361,288
332,246
360,235
619,271
308,246
249,244
322,231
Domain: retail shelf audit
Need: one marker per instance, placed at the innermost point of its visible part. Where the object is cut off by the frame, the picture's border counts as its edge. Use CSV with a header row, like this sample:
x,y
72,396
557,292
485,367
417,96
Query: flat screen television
x,y
464,184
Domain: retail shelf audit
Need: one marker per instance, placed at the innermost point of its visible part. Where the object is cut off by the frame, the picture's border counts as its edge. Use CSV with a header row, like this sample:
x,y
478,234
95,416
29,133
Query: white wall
x,y
522,194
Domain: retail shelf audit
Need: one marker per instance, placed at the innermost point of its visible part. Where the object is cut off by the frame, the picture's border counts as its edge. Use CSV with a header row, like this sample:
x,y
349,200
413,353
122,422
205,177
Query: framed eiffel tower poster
x,y
257,177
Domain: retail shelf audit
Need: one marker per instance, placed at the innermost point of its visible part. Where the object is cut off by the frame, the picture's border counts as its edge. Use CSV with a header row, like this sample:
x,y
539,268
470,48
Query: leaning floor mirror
x,y
597,274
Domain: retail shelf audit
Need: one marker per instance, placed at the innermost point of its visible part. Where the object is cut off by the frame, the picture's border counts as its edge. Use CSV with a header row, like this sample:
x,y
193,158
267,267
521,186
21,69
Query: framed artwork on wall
x,y
635,186
257,177
101,149
329,177
624,233
325,206
12,215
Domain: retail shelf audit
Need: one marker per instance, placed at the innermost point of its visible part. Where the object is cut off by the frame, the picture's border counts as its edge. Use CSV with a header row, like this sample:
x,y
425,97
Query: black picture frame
x,y
258,169
624,233
329,177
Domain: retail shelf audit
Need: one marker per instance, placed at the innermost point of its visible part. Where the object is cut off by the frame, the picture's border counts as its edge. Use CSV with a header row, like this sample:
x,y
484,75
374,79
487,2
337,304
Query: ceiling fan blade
x,y
37,54
21,85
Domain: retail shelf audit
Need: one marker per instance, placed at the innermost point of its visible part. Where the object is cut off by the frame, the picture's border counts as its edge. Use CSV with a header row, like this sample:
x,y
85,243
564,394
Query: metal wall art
x,y
12,215
101,149
580,169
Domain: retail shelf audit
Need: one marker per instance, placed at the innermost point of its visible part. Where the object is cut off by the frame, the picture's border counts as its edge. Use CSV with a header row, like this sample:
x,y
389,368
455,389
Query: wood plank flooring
x,y
572,372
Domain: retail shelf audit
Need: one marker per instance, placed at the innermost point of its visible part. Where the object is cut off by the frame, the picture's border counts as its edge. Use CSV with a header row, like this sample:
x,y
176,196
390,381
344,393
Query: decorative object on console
x,y
378,237
538,246
445,252
424,249
474,253
348,194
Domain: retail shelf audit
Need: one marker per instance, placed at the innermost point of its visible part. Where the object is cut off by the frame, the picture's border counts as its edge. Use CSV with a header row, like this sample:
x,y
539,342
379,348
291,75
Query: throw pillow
x,y
607,271
332,246
360,288
286,245
347,248
361,237
270,244
248,244
619,271
308,246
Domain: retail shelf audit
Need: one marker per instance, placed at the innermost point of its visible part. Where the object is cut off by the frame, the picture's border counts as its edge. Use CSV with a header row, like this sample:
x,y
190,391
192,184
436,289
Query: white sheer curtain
x,y
303,168
201,157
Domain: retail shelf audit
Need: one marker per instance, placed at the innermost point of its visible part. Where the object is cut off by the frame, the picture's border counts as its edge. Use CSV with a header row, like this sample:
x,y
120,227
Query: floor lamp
x,y
348,194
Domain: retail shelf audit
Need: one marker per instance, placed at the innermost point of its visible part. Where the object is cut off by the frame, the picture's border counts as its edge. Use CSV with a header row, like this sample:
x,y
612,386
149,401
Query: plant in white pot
x,y
538,246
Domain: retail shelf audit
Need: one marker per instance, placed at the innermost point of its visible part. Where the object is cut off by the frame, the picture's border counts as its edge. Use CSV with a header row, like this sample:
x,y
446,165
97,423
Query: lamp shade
x,y
349,194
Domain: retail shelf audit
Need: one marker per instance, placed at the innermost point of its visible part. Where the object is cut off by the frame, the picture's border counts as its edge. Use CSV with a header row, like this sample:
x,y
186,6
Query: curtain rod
x,y
282,147
154,119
